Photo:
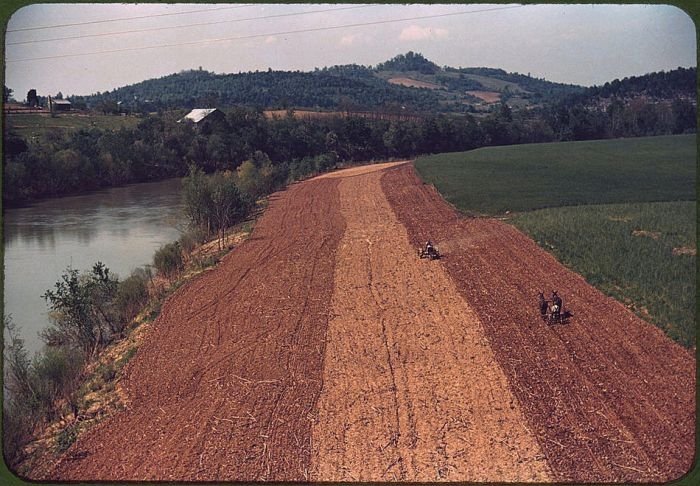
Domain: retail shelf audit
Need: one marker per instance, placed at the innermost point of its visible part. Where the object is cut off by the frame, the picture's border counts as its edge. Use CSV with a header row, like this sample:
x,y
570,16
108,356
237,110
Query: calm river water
x,y
121,227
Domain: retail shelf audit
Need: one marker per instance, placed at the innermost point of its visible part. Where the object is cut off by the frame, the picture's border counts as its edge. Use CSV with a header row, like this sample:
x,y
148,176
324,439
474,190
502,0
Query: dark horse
x,y
543,306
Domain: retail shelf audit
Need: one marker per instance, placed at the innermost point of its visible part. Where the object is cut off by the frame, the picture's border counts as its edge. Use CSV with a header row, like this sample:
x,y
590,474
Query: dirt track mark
x,y
412,391
609,397
225,385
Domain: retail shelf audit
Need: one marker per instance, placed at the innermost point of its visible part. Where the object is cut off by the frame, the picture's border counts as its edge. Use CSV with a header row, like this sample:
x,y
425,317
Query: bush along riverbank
x,y
98,321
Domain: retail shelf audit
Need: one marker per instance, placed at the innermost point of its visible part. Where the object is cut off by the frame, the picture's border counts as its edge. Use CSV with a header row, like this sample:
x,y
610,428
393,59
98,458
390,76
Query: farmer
x,y
556,304
428,247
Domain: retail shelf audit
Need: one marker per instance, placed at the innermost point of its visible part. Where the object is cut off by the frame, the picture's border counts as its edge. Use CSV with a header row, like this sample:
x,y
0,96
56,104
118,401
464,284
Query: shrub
x,y
106,372
126,357
56,374
66,438
197,198
257,176
132,296
302,168
82,309
168,259
18,424
215,203
193,237
326,162
20,413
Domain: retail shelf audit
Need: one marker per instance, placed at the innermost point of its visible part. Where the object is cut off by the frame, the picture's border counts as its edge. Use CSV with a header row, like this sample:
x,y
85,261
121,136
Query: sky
x,y
82,49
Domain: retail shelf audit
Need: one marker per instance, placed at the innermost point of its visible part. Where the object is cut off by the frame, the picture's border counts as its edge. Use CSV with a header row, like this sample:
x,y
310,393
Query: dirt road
x,y
323,349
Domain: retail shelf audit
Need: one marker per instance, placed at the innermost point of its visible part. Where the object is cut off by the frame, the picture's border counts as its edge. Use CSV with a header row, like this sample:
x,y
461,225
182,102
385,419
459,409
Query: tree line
x,y
59,163
365,88
328,89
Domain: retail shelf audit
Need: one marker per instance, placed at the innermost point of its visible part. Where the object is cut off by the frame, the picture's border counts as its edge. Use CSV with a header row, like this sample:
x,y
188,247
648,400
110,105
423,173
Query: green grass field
x,y
516,178
622,213
639,253
34,124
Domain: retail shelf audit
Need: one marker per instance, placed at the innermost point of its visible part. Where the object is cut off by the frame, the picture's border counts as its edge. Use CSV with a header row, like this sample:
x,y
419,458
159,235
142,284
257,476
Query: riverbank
x,y
99,391
101,394
120,227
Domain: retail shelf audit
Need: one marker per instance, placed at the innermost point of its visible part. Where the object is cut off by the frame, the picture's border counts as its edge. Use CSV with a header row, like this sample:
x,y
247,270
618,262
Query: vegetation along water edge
x,y
100,320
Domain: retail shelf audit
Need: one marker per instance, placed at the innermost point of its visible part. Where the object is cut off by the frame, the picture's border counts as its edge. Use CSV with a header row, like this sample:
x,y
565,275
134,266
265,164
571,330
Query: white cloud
x,y
348,40
415,32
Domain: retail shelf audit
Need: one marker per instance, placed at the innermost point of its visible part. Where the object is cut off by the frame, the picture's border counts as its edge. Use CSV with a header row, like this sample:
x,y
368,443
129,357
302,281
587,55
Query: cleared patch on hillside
x,y
487,96
414,83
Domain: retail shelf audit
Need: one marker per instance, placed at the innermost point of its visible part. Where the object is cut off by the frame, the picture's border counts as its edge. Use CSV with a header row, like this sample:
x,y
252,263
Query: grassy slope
x,y
625,249
524,177
34,124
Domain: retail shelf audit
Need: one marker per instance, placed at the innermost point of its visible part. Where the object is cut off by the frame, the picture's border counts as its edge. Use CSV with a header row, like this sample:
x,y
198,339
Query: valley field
x,y
323,348
513,178
37,124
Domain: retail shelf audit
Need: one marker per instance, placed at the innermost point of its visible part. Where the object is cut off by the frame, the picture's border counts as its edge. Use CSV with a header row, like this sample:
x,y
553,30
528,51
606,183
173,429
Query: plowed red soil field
x,y
226,383
608,396
323,349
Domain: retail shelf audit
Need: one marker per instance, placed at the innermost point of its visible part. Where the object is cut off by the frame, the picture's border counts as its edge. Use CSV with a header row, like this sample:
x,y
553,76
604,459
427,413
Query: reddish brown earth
x,y
413,83
487,96
322,348
411,388
609,396
225,385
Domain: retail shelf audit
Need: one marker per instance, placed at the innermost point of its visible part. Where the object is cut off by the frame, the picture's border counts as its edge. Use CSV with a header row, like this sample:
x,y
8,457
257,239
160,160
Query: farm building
x,y
59,105
199,115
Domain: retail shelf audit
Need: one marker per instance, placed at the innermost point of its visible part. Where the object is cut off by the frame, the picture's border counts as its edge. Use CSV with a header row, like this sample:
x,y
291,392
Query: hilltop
x,y
408,82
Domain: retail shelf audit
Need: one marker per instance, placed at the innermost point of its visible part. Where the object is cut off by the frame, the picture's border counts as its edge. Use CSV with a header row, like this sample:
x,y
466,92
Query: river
x,y
121,227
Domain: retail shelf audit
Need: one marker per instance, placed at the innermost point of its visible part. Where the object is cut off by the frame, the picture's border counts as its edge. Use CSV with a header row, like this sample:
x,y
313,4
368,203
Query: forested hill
x,y
409,83
331,88
681,82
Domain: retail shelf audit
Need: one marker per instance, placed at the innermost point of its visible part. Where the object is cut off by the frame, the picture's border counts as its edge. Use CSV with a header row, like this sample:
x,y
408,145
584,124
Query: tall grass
x,y
640,253
516,178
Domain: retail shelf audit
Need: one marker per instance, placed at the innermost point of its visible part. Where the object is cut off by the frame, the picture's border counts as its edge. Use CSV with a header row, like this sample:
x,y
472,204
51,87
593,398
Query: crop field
x,y
619,212
35,124
643,254
323,349
494,180
495,84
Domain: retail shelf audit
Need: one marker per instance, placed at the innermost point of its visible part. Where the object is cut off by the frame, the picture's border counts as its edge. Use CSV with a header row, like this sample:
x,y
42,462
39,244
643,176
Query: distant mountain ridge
x,y
407,83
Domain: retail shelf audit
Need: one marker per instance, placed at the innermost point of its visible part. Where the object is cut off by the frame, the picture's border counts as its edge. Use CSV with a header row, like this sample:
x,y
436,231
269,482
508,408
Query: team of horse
x,y
552,310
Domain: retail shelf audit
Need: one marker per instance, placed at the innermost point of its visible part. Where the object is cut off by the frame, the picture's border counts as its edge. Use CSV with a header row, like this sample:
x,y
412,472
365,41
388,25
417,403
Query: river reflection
x,y
122,227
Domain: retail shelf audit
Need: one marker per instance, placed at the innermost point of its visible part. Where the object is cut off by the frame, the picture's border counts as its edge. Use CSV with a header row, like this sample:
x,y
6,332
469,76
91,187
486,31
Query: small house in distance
x,y
57,105
200,115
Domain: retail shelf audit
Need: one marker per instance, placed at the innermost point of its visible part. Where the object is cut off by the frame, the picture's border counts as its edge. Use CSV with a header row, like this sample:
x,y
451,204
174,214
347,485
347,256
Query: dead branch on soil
x,y
630,468
556,442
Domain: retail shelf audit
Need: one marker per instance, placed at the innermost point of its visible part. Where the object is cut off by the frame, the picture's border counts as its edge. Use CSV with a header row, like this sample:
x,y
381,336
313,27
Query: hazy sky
x,y
85,48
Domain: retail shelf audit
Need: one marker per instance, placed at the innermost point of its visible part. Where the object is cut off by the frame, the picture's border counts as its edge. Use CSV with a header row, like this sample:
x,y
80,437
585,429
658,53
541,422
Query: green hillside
x,y
331,88
494,180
